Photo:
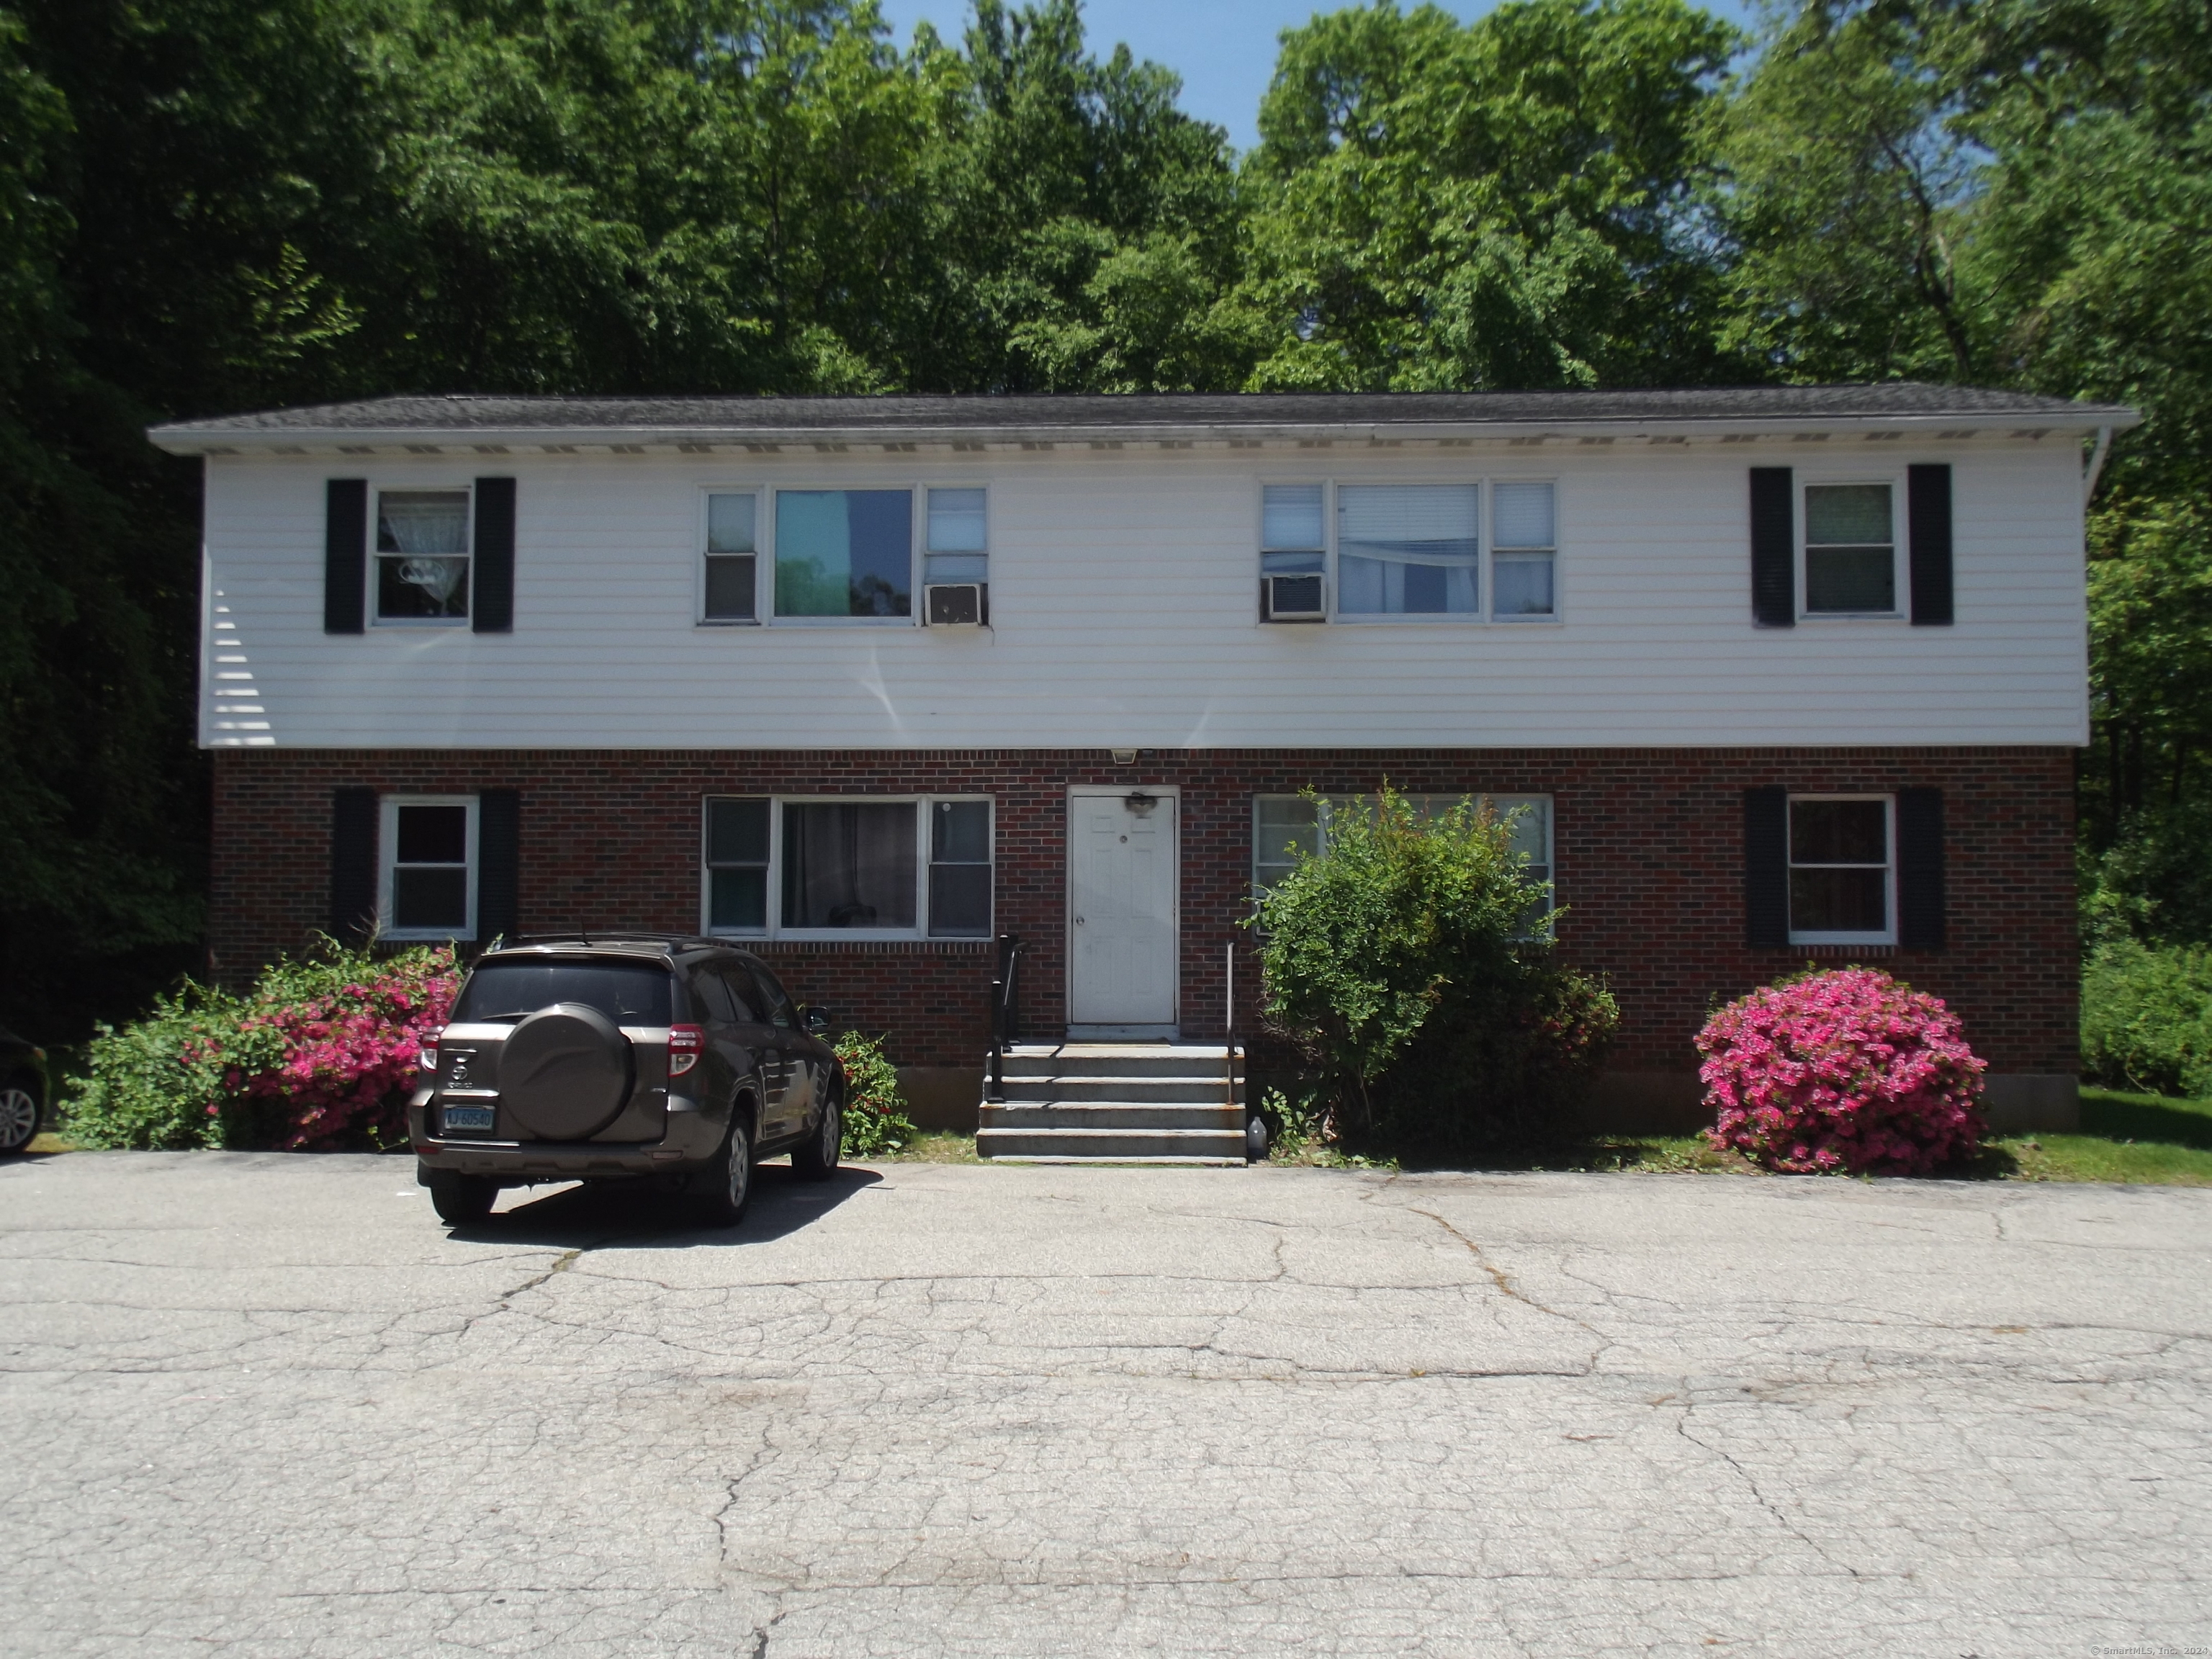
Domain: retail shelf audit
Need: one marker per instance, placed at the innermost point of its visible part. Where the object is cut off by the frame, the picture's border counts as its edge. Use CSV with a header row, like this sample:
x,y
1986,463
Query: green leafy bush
x,y
1411,968
320,1055
2147,1018
875,1112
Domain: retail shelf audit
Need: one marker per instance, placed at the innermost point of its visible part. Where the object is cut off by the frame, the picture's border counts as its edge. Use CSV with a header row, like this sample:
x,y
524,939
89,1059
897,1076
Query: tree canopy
x,y
209,205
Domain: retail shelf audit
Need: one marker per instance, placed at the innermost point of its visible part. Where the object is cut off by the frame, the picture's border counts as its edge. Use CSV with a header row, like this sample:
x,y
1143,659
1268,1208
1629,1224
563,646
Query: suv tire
x,y
732,1173
19,1114
462,1201
817,1159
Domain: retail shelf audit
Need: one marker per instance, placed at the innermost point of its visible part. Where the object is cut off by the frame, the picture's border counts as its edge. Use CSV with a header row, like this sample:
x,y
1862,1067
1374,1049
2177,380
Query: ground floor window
x,y
1286,826
1840,886
907,866
427,887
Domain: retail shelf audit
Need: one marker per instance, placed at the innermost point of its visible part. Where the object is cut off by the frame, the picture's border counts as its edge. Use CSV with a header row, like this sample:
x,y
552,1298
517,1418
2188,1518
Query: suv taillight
x,y
685,1044
427,1065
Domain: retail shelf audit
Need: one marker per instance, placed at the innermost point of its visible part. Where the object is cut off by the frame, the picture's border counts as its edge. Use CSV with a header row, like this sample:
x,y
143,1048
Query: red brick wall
x,y
1647,845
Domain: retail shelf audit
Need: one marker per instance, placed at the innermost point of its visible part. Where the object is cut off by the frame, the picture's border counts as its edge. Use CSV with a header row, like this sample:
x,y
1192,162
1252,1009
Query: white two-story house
x,y
870,684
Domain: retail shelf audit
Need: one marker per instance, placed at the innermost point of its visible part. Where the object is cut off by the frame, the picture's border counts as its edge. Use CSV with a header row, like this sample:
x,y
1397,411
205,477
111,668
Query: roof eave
x,y
185,439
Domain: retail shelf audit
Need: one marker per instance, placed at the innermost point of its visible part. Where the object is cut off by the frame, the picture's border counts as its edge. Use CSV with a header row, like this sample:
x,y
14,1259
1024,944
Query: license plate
x,y
468,1117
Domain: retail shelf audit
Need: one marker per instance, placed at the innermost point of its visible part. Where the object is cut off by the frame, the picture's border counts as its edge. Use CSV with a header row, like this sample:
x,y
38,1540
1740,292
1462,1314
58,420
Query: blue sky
x,y
1224,49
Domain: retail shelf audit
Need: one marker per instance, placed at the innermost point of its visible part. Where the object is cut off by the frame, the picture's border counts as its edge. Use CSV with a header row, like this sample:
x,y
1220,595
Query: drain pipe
x,y
2096,464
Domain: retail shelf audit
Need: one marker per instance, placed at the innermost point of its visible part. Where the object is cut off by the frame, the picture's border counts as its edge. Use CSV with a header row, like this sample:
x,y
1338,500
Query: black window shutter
x,y
1920,869
499,857
1928,539
1766,868
1774,548
353,865
492,602
345,554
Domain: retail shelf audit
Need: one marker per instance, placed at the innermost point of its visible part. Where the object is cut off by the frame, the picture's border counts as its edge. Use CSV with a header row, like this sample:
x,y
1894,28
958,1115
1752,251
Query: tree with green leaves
x,y
1501,204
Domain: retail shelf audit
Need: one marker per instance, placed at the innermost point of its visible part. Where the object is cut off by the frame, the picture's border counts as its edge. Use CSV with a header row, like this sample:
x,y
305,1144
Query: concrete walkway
x,y
267,1406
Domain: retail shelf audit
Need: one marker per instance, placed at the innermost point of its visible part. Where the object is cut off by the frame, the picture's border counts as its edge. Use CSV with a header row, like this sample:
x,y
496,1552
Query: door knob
x,y
1079,921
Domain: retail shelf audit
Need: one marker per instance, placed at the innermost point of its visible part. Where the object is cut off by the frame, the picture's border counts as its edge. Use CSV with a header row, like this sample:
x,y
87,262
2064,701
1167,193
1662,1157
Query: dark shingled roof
x,y
738,417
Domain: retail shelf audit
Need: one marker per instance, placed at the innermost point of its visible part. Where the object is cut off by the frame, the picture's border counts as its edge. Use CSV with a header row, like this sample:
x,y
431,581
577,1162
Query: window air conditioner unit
x,y
1295,598
957,604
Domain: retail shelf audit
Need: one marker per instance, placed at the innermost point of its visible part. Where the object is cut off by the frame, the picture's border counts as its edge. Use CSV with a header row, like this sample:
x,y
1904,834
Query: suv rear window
x,y
627,993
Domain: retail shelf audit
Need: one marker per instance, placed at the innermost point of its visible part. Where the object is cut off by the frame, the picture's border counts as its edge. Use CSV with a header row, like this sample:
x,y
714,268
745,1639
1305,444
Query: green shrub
x,y
320,1055
2147,1018
157,1084
1411,967
875,1112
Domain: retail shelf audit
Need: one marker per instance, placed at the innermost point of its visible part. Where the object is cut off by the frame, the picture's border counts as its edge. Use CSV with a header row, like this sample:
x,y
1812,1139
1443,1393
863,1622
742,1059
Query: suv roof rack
x,y
612,936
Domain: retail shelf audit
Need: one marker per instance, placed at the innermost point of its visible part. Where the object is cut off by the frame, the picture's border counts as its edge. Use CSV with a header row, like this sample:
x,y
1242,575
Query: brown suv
x,y
622,1058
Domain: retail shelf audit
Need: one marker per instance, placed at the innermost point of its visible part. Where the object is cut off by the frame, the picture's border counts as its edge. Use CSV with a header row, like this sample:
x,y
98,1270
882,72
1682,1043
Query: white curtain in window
x,y
422,523
1408,549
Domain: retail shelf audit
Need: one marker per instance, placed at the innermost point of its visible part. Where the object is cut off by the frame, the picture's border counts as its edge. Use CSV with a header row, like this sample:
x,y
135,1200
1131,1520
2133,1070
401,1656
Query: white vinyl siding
x,y
846,866
1124,616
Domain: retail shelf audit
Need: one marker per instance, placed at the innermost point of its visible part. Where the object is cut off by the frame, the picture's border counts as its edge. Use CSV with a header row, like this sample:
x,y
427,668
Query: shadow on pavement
x,y
618,1214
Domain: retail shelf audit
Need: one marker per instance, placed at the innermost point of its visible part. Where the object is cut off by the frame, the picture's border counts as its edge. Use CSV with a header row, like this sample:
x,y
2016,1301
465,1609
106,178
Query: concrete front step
x,y
1113,1060
1123,1102
1110,1114
1181,1146
1211,1090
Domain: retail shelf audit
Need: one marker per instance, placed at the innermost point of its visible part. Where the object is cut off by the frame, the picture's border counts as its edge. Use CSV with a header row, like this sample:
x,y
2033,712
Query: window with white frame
x,y
1408,550
1293,550
956,543
1286,827
427,885
1524,546
730,583
422,556
1850,550
1841,885
904,867
844,553
1372,551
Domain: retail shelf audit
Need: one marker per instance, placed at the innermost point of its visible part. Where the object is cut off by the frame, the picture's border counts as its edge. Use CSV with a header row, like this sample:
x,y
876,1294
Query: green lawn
x,y
2142,1139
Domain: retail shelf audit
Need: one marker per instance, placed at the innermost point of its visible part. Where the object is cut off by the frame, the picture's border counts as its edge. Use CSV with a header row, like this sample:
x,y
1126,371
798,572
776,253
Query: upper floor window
x,y
730,591
1840,886
1850,550
845,554
422,555
1522,546
1408,550
956,559
1361,551
911,867
427,887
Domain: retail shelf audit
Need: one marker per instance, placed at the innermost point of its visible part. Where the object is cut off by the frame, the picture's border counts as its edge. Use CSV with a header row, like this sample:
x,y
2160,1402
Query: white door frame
x,y
1159,792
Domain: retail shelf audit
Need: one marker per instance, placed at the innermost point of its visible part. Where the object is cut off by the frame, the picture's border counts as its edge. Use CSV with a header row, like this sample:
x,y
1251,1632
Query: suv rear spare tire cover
x,y
565,1071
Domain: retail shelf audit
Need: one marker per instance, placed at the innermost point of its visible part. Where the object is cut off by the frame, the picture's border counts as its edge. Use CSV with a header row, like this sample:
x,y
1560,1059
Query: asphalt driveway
x,y
267,1406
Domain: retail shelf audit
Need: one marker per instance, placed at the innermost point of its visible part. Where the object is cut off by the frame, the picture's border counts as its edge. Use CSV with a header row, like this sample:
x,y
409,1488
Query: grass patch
x,y
2146,1140
934,1146
2127,1139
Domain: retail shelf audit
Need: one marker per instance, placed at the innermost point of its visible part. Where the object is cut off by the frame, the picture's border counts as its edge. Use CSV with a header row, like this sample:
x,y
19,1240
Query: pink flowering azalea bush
x,y
1848,1072
320,1055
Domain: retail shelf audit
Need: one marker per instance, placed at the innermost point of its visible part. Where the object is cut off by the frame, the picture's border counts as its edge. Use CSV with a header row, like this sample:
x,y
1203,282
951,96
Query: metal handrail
x,y
1005,1010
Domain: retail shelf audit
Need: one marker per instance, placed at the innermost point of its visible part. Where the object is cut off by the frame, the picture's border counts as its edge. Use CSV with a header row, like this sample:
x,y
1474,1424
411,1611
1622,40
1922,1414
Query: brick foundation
x,y
1647,844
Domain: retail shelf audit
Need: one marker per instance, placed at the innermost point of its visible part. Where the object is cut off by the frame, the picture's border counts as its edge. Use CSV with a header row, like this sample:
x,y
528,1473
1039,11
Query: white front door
x,y
1121,909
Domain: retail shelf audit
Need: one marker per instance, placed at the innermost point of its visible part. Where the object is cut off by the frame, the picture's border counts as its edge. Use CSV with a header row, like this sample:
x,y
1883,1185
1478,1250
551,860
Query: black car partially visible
x,y
23,1091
